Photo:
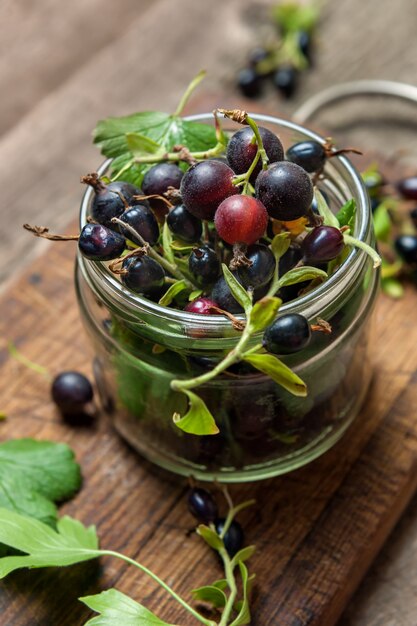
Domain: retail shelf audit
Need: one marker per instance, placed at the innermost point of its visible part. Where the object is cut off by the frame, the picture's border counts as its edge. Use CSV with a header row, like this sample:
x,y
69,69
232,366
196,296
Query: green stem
x,y
163,584
261,149
351,241
230,577
176,156
232,357
171,268
191,87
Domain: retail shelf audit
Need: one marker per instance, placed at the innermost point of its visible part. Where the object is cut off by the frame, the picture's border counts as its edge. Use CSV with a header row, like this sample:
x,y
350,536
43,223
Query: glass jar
x,y
141,346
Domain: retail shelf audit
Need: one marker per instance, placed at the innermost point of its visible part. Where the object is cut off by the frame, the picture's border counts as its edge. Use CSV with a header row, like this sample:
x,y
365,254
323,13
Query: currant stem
x,y
177,156
231,581
163,584
351,241
186,96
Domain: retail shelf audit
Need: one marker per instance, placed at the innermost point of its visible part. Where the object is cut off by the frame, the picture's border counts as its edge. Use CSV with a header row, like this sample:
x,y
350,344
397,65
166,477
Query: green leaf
x,y
44,547
244,616
221,584
117,609
140,145
280,245
392,288
347,214
173,291
195,294
293,17
210,537
263,313
238,292
198,420
301,274
181,246
163,129
211,594
382,222
166,244
34,475
271,366
243,555
329,218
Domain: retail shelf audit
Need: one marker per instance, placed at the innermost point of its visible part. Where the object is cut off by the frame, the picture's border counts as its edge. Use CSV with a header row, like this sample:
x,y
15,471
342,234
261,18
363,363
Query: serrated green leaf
x,y
117,609
210,537
34,475
301,274
271,366
382,222
173,291
198,420
280,245
140,145
166,244
243,616
329,218
238,292
392,288
263,313
347,214
164,129
44,547
243,555
211,594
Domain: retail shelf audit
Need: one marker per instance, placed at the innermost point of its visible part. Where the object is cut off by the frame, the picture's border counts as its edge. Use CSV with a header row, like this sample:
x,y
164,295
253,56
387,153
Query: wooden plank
x,y
317,529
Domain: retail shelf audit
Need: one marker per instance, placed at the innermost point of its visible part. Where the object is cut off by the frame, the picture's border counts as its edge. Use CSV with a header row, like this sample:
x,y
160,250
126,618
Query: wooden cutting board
x,y
317,529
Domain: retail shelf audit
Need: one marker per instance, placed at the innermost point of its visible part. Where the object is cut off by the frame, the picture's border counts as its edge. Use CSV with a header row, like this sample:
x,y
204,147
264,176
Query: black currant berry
x,y
262,268
242,148
323,243
184,224
202,505
310,155
71,392
249,82
157,180
241,219
143,220
110,200
223,296
287,334
285,189
205,185
285,80
305,44
234,537
99,243
144,275
407,188
406,246
204,265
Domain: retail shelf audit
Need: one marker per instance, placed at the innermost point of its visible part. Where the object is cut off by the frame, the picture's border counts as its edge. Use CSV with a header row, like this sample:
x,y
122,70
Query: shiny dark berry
x,y
241,150
144,275
413,215
285,189
71,392
99,243
110,200
202,505
287,334
205,185
157,180
407,188
305,44
262,268
406,246
249,82
285,80
204,264
323,243
241,219
234,537
223,296
310,155
203,306
184,224
143,220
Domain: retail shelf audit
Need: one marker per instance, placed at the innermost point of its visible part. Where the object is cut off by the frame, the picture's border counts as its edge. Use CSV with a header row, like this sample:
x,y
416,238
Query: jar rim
x,y
308,303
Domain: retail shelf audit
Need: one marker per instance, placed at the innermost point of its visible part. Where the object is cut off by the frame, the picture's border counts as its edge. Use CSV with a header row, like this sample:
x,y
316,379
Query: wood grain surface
x,y
63,66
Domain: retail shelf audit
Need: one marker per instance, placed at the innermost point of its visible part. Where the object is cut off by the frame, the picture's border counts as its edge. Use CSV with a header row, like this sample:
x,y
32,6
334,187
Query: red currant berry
x,y
203,306
241,219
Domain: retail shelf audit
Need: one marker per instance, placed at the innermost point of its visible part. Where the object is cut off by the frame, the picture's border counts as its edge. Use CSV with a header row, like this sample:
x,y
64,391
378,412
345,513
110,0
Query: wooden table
x,y
62,68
